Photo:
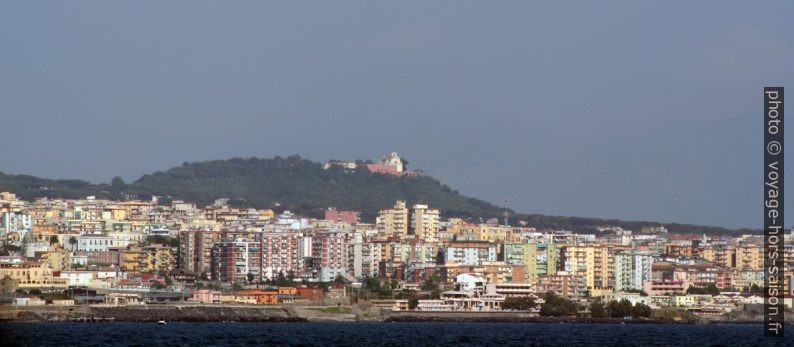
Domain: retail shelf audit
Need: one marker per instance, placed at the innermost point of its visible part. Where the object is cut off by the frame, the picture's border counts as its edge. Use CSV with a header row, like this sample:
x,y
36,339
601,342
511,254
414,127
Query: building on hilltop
x,y
344,164
392,164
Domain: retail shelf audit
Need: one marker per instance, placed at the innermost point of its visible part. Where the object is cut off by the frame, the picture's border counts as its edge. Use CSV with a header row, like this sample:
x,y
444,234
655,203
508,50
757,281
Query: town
x,y
62,252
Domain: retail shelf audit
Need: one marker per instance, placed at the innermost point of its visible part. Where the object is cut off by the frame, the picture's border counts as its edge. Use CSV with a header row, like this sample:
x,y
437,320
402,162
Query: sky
x,y
637,110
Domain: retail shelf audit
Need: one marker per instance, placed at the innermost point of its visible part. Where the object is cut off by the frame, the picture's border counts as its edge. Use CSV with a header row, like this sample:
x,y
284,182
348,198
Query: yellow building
x,y
594,262
266,215
58,259
32,275
161,258
118,214
152,258
530,256
749,257
424,222
42,231
394,221
7,196
464,231
498,233
721,256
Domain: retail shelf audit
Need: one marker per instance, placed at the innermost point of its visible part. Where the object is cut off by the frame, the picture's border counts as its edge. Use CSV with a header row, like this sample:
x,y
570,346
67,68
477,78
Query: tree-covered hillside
x,y
30,188
305,187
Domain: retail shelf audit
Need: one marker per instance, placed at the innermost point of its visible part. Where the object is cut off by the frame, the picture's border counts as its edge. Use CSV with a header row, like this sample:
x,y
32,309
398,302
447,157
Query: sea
x,y
382,334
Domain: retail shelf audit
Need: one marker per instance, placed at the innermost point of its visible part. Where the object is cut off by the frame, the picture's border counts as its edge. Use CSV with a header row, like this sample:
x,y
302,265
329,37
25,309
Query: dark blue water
x,y
382,334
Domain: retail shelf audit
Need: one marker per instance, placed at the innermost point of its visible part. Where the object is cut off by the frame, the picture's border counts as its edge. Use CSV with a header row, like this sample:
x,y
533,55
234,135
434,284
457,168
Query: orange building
x,y
260,297
310,293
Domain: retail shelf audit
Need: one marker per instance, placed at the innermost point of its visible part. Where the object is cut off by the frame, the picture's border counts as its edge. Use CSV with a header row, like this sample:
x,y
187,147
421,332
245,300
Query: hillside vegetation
x,y
304,187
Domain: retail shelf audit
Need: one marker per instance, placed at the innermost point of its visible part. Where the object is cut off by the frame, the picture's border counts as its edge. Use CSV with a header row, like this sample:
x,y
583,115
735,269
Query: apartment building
x,y
749,257
394,221
153,258
330,252
32,275
282,253
195,252
632,270
568,285
470,252
594,262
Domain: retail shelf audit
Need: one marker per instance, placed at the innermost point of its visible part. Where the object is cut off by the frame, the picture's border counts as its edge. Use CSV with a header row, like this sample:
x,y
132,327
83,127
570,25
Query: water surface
x,y
382,334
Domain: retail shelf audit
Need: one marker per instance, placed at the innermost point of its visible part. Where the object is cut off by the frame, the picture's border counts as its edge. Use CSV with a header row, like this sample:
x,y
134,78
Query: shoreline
x,y
297,314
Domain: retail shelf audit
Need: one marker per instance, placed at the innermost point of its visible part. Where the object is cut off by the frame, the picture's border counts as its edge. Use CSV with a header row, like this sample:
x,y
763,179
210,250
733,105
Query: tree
x,y
250,277
620,309
641,310
172,242
405,164
430,284
709,289
413,303
72,242
117,182
373,284
237,287
598,309
53,239
555,305
642,292
755,288
339,279
435,295
519,303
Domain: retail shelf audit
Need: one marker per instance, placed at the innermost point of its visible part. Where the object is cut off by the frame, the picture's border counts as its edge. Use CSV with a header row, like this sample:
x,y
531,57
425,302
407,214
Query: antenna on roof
x,y
506,212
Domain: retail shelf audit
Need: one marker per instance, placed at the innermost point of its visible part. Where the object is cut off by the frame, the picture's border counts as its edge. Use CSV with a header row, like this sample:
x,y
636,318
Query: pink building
x,y
389,169
350,217
281,252
110,257
206,296
664,287
330,252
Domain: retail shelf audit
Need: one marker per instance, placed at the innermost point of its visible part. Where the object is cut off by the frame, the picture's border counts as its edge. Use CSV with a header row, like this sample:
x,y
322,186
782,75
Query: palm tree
x,y
73,242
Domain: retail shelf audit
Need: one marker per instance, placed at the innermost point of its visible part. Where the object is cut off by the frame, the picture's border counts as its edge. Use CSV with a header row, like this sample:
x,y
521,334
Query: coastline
x,y
249,313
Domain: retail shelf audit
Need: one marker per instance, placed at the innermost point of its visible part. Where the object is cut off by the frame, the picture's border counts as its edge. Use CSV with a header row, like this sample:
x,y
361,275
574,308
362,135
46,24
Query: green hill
x,y
304,187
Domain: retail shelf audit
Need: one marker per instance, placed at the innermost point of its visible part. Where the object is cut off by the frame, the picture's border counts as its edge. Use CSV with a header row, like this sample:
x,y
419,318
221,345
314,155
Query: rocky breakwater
x,y
506,317
149,313
195,314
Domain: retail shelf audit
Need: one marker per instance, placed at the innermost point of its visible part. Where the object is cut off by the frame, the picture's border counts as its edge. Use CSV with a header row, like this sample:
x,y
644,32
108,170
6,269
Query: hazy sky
x,y
625,109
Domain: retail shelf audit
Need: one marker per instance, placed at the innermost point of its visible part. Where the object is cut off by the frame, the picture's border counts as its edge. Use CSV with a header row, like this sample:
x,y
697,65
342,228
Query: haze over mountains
x,y
305,187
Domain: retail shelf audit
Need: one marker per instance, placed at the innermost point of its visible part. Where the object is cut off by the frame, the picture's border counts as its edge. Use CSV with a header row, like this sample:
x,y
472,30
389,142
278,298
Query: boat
x,y
161,322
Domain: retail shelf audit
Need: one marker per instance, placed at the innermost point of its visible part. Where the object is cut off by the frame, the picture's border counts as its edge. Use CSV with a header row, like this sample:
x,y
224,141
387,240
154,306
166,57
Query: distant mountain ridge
x,y
305,187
